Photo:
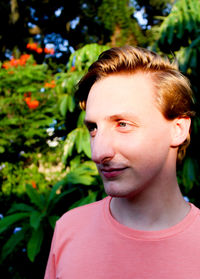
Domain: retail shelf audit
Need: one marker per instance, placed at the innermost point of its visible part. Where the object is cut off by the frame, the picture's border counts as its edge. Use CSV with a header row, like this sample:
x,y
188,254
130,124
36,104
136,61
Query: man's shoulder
x,y
82,214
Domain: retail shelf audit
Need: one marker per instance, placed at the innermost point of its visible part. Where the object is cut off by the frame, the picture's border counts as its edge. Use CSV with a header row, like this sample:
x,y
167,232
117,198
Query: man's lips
x,y
112,172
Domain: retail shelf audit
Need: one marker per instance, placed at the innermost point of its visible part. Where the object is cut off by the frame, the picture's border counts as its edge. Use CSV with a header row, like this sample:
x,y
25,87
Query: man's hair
x,y
173,93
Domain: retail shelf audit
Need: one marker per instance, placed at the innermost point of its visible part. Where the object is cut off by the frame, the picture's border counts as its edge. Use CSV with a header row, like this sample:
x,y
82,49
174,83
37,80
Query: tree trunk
x,y
14,15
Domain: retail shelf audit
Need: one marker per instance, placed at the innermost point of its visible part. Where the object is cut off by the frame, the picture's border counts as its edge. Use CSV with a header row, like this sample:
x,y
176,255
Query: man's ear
x,y
180,130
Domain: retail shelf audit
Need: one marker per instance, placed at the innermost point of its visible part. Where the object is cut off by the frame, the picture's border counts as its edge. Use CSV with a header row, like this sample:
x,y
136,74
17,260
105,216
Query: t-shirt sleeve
x,y
50,272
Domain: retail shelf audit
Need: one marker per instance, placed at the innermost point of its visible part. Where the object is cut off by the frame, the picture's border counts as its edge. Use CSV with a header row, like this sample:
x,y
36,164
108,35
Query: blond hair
x,y
173,92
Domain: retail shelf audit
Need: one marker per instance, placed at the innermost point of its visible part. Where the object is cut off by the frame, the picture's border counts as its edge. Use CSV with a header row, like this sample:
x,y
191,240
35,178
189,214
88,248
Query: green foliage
x,y
28,159
190,174
181,26
117,17
15,177
180,37
189,57
77,139
27,108
36,138
84,57
32,219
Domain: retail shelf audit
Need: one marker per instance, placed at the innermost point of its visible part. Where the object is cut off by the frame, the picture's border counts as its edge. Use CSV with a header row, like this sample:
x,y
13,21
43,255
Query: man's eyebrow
x,y
87,122
118,116
128,116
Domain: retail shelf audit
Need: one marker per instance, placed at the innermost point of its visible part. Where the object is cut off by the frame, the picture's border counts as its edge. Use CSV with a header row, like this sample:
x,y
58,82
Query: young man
x,y
138,112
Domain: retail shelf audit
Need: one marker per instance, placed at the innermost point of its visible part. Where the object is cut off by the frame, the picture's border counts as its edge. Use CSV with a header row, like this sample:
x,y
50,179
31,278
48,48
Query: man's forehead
x,y
118,94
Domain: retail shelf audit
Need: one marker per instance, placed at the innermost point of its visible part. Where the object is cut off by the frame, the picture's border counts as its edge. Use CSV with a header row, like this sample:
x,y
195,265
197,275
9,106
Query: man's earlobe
x,y
180,130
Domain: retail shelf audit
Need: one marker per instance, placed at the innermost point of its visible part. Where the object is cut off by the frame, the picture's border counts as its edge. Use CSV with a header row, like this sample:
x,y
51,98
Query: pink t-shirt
x,y
89,243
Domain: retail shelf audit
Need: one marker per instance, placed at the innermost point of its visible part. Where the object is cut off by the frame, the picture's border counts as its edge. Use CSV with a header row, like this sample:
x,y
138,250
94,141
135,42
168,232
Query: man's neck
x,y
151,210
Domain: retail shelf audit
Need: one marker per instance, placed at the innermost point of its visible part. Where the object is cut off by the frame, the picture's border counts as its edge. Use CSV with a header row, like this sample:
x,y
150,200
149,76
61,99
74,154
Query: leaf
x,y
71,103
79,140
7,221
85,56
189,174
74,177
34,196
180,26
86,143
69,144
86,200
170,31
34,244
81,118
193,59
2,149
35,219
52,220
53,202
20,207
64,105
60,196
82,174
12,242
53,193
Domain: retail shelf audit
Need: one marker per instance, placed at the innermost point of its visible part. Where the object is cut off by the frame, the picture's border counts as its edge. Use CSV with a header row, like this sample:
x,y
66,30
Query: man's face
x,y
130,138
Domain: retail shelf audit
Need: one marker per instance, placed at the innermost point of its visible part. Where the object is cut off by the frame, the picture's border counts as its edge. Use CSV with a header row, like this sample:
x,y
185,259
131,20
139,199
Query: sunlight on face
x,y
130,138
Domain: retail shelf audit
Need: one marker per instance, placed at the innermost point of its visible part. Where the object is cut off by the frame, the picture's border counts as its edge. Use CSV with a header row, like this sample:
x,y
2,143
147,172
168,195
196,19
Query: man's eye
x,y
122,124
92,129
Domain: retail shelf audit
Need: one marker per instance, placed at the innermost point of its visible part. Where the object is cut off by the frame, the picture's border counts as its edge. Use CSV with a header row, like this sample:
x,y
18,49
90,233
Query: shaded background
x,y
45,161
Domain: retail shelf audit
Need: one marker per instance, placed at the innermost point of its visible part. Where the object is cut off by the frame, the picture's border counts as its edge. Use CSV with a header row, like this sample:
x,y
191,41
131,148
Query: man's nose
x,y
102,147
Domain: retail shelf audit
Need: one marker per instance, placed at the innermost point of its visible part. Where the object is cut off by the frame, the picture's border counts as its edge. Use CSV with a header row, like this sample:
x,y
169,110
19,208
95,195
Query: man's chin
x,y
115,194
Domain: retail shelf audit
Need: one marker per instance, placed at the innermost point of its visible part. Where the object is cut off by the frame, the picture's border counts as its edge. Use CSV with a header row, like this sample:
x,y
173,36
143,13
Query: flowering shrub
x,y
45,155
16,62
23,124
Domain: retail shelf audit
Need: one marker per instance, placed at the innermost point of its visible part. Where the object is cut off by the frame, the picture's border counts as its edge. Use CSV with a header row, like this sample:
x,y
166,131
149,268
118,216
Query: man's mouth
x,y
112,172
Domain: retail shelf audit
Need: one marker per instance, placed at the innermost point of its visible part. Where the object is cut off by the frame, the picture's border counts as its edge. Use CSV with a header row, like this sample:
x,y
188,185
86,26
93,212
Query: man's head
x,y
173,94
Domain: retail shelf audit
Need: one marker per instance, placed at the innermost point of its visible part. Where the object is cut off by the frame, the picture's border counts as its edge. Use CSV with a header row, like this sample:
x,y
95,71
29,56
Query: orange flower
x,y
39,50
52,84
49,50
34,184
27,100
73,68
16,62
6,65
32,46
23,59
32,104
